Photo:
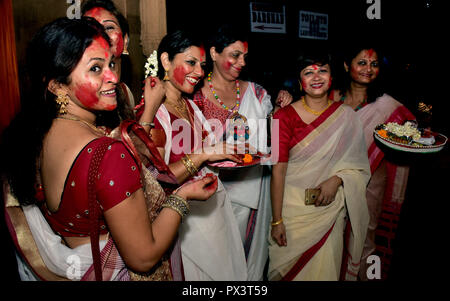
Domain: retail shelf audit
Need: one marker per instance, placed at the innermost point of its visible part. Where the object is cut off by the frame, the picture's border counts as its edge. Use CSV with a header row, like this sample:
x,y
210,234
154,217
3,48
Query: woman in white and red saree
x,y
210,245
321,145
362,91
222,97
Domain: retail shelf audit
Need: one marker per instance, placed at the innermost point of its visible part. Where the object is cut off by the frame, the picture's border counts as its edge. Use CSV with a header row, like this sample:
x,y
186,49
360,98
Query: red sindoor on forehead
x,y
202,51
103,44
370,52
95,12
245,46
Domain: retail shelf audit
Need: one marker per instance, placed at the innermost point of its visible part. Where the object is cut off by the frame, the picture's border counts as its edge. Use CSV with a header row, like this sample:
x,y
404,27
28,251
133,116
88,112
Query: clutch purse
x,y
311,196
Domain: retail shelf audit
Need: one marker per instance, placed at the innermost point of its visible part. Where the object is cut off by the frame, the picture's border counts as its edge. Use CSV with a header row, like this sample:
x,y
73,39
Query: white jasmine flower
x,y
151,66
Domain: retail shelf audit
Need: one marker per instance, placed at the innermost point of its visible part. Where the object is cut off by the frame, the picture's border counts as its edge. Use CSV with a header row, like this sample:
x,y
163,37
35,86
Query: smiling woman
x,y
183,138
77,191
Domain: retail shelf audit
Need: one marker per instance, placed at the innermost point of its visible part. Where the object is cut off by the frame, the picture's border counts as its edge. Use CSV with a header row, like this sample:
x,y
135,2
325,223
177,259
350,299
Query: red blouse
x,y
119,178
291,126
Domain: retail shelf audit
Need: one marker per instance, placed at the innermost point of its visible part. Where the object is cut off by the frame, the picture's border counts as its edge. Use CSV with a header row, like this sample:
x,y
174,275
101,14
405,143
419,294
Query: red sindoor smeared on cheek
x,y
120,44
87,95
179,74
227,65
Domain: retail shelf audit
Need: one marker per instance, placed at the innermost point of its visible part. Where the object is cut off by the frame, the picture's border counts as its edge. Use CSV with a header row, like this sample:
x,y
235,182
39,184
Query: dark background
x,y
411,34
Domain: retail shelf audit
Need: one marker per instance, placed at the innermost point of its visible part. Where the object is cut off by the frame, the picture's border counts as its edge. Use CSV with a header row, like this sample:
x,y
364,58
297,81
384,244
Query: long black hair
x,y
52,54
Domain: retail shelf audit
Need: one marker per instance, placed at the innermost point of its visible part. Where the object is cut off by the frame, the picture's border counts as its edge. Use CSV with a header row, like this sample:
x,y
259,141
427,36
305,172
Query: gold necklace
x,y
90,125
317,113
182,110
190,121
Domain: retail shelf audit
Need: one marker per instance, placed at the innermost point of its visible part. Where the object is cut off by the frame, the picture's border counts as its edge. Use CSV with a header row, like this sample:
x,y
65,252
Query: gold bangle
x,y
144,123
277,222
189,165
178,204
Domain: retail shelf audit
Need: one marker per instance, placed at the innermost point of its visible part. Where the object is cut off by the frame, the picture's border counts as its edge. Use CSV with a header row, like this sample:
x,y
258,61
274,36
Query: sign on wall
x,y
313,25
267,17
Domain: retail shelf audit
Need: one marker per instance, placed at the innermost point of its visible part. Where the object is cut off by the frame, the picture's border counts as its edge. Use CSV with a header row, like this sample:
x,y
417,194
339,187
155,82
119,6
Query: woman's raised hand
x,y
154,91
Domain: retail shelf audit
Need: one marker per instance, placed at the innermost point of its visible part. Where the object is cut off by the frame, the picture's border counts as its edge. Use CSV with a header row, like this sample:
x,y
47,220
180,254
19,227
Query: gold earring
x,y
166,76
125,51
62,100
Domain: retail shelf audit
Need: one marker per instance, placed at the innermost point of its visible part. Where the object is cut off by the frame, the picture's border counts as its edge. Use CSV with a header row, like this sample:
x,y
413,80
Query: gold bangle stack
x,y
277,222
177,203
189,165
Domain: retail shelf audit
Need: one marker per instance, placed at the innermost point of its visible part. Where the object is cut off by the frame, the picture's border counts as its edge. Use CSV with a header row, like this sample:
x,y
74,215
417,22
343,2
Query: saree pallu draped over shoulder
x,y
333,144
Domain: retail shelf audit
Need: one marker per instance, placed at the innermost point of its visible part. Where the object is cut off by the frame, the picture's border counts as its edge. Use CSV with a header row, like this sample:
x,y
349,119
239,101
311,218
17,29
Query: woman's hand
x,y
154,92
222,151
279,234
199,190
284,98
328,190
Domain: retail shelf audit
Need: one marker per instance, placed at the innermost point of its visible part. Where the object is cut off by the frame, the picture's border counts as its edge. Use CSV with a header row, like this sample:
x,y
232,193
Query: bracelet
x,y
144,123
277,222
178,204
189,165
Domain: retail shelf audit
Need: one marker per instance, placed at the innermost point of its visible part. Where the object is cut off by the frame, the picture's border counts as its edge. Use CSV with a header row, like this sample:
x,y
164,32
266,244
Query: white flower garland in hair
x,y
151,66
151,69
